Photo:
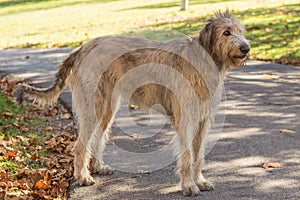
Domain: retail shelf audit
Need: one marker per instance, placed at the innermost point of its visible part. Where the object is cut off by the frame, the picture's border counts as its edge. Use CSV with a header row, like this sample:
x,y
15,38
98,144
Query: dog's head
x,y
223,38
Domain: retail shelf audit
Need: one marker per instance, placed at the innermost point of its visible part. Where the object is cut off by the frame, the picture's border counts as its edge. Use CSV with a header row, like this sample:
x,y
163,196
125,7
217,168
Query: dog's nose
x,y
244,48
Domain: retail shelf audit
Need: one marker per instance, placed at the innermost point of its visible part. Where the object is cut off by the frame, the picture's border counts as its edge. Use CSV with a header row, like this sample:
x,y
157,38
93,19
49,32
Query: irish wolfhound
x,y
157,72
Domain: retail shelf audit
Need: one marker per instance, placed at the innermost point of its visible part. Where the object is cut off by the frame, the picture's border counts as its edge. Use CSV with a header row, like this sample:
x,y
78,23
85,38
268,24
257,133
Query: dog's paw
x,y
86,180
205,185
190,189
102,169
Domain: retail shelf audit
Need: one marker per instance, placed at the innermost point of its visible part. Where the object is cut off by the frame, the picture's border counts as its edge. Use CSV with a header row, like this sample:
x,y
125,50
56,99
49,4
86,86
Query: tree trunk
x,y
184,4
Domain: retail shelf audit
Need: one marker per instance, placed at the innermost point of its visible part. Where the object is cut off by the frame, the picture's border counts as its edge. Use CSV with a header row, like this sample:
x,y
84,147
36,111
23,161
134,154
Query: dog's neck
x,y
218,63
221,66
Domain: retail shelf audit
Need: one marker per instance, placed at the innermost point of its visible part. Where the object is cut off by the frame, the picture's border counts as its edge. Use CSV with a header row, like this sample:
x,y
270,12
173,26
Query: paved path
x,y
261,99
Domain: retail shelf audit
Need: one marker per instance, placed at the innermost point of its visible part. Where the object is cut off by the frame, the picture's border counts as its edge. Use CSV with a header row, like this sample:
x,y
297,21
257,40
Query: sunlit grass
x,y
274,32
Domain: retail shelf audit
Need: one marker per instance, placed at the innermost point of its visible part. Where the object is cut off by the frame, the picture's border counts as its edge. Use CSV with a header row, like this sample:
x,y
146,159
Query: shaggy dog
x,y
185,76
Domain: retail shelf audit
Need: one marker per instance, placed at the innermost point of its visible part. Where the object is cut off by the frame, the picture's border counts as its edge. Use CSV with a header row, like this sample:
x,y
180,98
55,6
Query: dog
x,y
185,76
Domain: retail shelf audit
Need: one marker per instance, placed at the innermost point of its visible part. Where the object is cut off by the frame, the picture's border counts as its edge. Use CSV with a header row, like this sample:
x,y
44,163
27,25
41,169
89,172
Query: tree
x,y
184,4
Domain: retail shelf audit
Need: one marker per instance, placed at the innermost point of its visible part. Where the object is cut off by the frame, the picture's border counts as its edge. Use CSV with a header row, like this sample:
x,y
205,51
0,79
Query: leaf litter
x,y
39,166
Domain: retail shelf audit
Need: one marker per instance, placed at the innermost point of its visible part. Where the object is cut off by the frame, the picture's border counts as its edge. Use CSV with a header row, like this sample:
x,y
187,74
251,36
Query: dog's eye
x,y
226,33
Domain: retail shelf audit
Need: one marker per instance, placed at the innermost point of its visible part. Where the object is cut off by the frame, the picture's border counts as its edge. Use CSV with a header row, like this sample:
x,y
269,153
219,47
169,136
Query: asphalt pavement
x,y
262,124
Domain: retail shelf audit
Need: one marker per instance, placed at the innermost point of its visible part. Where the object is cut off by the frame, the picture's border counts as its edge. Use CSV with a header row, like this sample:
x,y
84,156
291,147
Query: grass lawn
x,y
273,28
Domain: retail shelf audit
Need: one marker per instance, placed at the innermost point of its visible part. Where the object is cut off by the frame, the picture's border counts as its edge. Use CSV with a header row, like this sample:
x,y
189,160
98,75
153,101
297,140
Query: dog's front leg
x,y
98,145
185,167
198,154
188,185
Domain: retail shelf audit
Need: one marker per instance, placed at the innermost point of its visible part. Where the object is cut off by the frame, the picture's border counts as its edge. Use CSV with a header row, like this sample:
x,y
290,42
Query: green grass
x,y
274,32
272,27
8,112
10,165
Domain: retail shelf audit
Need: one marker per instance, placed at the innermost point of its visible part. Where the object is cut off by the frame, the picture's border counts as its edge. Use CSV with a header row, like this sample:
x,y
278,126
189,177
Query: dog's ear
x,y
206,36
220,14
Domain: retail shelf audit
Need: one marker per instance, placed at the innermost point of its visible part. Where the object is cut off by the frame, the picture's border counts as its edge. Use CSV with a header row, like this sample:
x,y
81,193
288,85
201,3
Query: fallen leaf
x,y
42,184
67,116
24,129
140,171
5,115
24,185
23,139
38,147
4,143
53,111
270,76
2,193
10,155
66,160
6,138
48,128
270,165
286,131
33,156
268,30
134,135
64,110
50,143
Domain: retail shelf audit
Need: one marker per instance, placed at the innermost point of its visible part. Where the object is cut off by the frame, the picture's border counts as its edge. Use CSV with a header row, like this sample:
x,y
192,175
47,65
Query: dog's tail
x,y
48,96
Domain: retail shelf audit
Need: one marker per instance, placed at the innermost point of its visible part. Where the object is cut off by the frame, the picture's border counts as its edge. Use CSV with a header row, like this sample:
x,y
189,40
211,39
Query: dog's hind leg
x,y
198,154
91,141
105,109
82,154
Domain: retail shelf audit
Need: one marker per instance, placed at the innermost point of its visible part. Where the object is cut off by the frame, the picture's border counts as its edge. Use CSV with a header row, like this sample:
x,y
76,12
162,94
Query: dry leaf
x,y
24,129
10,155
268,30
66,160
5,115
50,143
38,147
35,183
53,112
140,171
64,110
286,131
24,185
42,184
6,138
2,193
33,156
67,116
270,165
270,76
48,128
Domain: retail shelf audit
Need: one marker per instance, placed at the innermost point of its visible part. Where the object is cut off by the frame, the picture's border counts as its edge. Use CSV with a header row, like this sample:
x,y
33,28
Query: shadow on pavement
x,y
261,100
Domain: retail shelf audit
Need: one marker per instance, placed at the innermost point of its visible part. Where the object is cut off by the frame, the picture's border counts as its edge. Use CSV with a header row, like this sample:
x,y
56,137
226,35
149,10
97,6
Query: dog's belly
x,y
149,95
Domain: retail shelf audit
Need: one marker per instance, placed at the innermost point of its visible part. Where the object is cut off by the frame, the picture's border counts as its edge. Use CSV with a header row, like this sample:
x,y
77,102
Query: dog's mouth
x,y
239,60
244,56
